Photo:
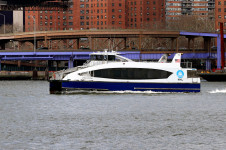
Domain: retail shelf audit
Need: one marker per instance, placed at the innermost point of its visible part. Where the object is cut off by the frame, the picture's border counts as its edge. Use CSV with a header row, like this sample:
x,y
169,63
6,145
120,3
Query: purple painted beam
x,y
210,35
199,34
85,55
27,58
219,52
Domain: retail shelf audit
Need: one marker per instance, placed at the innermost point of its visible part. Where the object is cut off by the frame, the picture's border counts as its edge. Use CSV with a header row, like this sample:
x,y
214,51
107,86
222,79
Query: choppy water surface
x,y
31,118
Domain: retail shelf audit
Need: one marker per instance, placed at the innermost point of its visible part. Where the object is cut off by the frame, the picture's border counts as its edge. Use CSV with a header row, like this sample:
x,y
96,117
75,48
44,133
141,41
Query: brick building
x,y
144,14
220,13
202,8
49,20
99,14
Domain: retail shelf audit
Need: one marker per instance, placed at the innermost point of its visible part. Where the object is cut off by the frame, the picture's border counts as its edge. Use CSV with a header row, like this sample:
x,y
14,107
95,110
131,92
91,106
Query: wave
x,y
218,91
115,92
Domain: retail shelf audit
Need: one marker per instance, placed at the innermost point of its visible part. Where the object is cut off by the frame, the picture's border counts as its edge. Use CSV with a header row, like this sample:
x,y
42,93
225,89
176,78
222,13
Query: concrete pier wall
x,y
23,75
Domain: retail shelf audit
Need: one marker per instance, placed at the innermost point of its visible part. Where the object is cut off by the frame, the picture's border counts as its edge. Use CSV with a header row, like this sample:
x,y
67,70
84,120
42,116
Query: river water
x,y
31,118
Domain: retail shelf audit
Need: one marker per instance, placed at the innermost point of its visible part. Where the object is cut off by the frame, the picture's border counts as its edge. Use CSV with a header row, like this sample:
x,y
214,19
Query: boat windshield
x,y
102,57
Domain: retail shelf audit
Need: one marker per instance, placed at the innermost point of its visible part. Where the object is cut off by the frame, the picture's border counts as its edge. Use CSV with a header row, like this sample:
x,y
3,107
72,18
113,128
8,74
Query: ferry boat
x,y
109,71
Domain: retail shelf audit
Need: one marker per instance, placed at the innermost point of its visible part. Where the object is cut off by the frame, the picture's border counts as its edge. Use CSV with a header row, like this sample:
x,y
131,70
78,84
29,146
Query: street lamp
x,y
4,21
34,23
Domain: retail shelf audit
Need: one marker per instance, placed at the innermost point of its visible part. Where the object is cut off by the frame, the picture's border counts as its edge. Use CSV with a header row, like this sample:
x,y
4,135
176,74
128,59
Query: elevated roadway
x,y
45,36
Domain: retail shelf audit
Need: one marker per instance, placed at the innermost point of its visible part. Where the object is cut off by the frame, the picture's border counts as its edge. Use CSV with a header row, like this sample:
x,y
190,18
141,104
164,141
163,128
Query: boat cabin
x,y
102,57
108,56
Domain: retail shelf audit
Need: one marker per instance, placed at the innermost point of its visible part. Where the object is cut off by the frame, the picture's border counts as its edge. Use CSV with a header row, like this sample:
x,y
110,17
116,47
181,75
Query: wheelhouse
x,y
108,56
99,57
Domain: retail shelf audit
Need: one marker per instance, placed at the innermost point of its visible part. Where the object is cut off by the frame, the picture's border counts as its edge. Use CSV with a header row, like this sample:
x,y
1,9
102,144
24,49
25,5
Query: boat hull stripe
x,y
112,86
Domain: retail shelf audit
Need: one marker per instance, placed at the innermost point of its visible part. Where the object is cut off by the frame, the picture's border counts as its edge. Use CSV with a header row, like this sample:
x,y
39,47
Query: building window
x,y
70,11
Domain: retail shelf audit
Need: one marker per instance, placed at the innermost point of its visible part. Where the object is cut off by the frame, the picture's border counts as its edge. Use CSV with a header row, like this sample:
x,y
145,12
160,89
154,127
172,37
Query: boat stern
x,y
55,86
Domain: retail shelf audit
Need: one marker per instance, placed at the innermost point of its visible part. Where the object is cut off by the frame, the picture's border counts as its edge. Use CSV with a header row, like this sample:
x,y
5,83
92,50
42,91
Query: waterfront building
x,y
48,20
145,13
98,14
220,13
177,8
18,21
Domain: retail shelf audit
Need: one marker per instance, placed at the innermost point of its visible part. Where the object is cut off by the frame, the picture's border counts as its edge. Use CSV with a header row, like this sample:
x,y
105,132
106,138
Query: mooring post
x,y
35,74
46,73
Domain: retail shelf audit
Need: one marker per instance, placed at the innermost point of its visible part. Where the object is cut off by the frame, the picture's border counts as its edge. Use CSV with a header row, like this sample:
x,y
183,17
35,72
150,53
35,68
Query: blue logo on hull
x,y
180,74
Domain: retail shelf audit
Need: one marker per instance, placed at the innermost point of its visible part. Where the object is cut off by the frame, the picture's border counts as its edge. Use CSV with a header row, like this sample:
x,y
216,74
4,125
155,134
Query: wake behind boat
x,y
108,71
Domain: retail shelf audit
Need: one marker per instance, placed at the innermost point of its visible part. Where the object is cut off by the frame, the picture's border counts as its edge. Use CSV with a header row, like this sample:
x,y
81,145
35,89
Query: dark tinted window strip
x,y
131,73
